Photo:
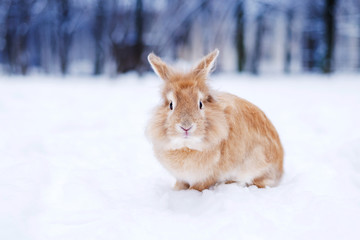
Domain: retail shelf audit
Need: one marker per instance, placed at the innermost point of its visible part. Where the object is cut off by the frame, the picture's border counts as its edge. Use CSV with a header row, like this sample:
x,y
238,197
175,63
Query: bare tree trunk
x,y
359,41
23,55
139,45
98,33
329,19
128,48
65,33
288,39
256,54
240,36
311,38
10,37
17,36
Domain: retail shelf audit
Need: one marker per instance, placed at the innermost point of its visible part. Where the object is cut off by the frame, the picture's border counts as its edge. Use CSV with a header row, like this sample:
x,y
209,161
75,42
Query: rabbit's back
x,y
253,146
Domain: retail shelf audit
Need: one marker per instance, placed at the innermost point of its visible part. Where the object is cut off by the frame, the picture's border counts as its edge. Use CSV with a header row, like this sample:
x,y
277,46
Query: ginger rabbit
x,y
204,137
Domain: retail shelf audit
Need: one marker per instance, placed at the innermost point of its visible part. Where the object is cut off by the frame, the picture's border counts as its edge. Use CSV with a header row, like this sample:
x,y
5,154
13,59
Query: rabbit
x,y
204,137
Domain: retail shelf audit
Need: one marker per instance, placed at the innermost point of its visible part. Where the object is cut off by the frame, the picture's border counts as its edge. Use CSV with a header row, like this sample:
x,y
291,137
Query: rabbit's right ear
x,y
159,67
207,64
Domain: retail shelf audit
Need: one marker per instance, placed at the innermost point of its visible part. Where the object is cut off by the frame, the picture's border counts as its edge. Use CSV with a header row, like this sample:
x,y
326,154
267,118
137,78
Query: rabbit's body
x,y
224,139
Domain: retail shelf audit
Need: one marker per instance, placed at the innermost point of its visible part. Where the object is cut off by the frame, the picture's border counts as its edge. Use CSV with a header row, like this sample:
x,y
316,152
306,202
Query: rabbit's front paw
x,y
203,185
180,185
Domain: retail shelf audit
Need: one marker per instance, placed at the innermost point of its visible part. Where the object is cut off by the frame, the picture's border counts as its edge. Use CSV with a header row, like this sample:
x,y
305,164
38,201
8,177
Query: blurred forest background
x,y
115,36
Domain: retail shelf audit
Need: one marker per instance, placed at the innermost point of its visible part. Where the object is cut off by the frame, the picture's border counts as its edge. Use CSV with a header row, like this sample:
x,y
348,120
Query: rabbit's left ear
x,y
207,64
159,67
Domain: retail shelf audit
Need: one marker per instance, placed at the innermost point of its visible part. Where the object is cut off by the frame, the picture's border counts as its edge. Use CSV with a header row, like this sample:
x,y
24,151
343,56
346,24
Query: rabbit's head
x,y
189,116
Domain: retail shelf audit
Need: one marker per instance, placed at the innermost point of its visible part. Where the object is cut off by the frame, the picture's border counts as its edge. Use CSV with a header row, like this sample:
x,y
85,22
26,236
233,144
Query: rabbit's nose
x,y
186,129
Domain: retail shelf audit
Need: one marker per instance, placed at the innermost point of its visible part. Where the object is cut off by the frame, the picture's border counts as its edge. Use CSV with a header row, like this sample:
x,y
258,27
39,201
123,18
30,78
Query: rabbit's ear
x,y
159,67
207,64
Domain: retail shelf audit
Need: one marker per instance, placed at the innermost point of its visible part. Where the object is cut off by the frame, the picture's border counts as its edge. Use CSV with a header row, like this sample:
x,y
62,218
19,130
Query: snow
x,y
75,164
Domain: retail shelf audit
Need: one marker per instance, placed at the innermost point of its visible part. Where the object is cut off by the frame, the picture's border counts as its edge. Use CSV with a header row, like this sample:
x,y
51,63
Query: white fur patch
x,y
191,142
201,96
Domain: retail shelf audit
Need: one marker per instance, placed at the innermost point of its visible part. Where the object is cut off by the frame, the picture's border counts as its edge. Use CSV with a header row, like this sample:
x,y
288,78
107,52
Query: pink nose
x,y
186,129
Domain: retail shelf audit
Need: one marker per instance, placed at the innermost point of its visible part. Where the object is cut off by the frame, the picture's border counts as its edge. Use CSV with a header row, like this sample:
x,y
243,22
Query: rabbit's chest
x,y
191,166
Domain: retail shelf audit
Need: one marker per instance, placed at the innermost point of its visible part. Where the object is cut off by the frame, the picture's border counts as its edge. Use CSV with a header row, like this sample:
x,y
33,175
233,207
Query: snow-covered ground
x,y
75,164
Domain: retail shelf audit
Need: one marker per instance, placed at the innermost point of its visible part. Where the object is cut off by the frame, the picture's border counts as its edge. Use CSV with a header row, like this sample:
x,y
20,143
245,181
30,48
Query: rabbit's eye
x,y
171,106
200,105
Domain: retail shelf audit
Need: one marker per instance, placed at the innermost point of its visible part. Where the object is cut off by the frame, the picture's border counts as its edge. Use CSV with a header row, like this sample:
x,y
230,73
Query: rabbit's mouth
x,y
186,131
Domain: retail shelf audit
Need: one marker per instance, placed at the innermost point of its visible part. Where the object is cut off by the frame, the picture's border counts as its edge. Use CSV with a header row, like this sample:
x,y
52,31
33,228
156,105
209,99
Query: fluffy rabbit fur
x,y
203,137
